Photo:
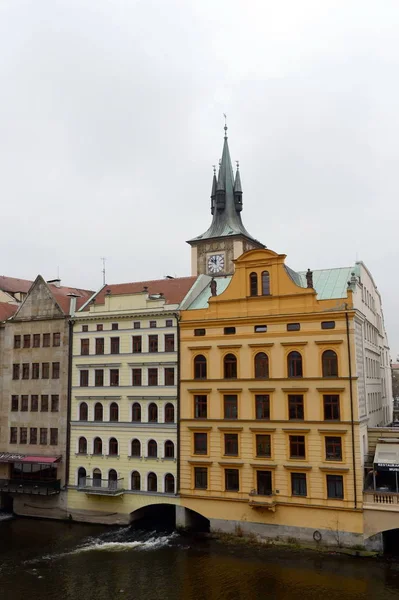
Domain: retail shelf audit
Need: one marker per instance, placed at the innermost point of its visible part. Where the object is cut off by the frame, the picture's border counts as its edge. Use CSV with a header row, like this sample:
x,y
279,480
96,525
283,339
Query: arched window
x,y
136,448
82,447
169,484
265,283
112,479
294,363
153,413
261,366
98,411
169,413
152,485
136,413
230,366
113,447
82,477
83,412
114,412
152,449
200,367
136,480
97,446
169,449
330,363
96,478
253,284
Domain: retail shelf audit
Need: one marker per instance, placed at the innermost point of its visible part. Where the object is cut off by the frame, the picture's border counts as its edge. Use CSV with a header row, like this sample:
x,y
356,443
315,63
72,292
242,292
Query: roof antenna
x,y
225,126
103,269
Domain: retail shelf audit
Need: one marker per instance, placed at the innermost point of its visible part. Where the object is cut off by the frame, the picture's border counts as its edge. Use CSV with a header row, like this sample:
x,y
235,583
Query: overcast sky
x,y
111,117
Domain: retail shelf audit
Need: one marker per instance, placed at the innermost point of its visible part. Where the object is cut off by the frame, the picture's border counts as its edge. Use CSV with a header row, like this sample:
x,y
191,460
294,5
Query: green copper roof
x,y
330,283
201,301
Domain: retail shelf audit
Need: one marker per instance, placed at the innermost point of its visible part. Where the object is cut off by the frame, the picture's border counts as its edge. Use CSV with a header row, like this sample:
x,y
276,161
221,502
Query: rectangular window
x,y
25,370
55,370
46,340
295,407
44,403
263,445
230,406
36,340
15,371
169,323
55,403
13,435
328,324
99,377
229,330
17,341
35,370
99,345
169,376
136,377
260,328
56,339
297,446
114,377
14,403
335,487
262,407
152,376
331,407
264,483
232,480
152,343
115,326
24,403
33,435
136,344
298,484
34,403
85,346
53,436
199,332
27,341
293,326
333,448
153,324
200,407
114,345
23,435
200,478
84,378
85,328
45,370
169,342
200,443
231,444
100,327
136,325
43,436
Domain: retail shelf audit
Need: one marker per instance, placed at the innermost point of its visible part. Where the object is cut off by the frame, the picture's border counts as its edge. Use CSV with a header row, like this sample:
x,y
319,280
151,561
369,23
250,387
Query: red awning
x,y
40,459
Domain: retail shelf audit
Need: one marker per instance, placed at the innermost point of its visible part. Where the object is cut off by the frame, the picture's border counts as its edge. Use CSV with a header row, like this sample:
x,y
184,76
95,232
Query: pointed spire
x,y
213,191
237,181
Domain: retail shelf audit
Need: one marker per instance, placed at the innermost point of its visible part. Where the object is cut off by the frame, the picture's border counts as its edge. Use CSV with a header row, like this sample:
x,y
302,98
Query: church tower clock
x,y
213,252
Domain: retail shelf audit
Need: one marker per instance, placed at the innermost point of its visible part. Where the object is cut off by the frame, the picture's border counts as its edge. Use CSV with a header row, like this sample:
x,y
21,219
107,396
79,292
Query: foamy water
x,y
6,516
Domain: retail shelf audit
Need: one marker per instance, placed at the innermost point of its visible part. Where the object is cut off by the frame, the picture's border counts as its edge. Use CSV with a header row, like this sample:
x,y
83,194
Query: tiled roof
x,y
395,366
14,285
174,290
64,300
7,310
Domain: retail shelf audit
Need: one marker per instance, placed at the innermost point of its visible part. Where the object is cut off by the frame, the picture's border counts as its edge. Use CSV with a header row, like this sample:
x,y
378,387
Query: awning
x,y
8,457
386,457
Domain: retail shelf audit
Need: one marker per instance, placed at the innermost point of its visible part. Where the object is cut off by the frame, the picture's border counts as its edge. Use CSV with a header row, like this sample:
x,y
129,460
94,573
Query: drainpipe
x,y
178,405
69,395
351,399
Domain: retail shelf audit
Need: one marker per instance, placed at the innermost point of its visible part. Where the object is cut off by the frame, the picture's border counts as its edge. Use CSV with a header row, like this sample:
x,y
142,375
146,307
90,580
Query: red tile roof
x,y
7,310
174,290
13,284
64,300
395,366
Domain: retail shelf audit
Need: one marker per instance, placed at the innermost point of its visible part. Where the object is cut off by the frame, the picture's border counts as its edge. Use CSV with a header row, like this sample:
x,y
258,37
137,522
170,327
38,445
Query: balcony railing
x,y
265,499
30,486
388,500
101,487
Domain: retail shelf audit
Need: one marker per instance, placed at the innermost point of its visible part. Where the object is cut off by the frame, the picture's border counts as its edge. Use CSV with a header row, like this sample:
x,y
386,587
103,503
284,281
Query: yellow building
x,y
123,443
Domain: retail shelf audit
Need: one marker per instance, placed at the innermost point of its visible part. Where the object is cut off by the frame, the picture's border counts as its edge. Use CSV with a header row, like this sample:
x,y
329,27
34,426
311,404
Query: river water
x,y
45,560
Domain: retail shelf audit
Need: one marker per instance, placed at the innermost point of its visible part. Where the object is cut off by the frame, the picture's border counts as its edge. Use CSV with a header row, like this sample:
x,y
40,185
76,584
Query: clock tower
x,y
213,252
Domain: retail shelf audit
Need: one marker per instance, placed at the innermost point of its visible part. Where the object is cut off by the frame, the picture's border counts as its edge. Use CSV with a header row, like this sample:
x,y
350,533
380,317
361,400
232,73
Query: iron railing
x,y
110,487
30,486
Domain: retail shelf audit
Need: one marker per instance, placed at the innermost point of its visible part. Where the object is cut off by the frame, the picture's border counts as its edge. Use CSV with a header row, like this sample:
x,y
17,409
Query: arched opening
x,y
230,366
161,517
329,361
136,481
82,445
136,448
96,478
82,477
169,413
200,367
98,411
253,284
390,540
112,479
83,412
113,447
136,413
169,449
152,482
261,366
97,446
114,412
294,364
153,413
265,283
169,483
152,449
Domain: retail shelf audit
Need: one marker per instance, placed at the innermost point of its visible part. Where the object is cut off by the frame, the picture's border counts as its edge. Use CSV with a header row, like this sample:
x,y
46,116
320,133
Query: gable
x,y
39,303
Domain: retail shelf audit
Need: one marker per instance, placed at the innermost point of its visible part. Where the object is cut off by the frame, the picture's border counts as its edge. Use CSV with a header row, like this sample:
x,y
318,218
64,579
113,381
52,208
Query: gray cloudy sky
x,y
111,117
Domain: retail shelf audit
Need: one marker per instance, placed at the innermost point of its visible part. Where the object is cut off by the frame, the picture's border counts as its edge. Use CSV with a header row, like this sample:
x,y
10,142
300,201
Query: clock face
x,y
215,263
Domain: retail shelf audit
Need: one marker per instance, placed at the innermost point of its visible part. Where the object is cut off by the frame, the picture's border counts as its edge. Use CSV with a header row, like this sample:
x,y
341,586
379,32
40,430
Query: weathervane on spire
x,y
214,169
238,164
225,125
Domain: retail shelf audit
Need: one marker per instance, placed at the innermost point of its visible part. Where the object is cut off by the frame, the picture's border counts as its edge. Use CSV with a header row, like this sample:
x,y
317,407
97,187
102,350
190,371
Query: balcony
x,y
30,486
381,500
101,487
266,500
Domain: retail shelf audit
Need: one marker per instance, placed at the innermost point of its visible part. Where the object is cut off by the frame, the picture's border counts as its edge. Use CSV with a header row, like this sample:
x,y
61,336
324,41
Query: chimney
x,y
72,304
56,282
